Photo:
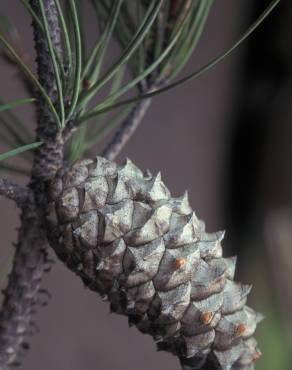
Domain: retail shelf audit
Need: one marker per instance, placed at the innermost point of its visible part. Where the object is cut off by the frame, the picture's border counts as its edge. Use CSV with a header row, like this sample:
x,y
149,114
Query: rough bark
x,y
14,192
30,261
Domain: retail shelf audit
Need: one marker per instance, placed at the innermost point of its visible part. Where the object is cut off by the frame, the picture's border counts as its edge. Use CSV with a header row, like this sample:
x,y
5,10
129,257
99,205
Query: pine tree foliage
x,y
117,228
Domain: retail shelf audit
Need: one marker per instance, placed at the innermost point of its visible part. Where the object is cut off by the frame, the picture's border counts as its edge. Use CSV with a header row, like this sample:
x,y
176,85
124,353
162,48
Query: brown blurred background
x,y
226,138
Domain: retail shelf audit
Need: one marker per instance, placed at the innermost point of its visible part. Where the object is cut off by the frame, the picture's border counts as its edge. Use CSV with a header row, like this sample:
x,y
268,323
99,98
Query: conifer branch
x,y
14,192
61,108
126,130
30,259
128,126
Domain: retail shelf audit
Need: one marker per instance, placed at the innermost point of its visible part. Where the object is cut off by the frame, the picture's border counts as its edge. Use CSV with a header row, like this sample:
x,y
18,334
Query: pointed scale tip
x,y
259,317
157,177
220,235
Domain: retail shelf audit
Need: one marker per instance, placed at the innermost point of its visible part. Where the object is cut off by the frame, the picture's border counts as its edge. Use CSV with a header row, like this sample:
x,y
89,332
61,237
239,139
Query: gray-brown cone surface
x,y
147,253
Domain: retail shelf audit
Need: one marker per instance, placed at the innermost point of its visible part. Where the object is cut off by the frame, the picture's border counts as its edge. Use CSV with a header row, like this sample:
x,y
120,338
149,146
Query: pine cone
x,y
149,255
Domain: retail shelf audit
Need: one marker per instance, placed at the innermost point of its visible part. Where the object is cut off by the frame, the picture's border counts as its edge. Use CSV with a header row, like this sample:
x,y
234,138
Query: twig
x,y
69,129
14,192
30,260
127,128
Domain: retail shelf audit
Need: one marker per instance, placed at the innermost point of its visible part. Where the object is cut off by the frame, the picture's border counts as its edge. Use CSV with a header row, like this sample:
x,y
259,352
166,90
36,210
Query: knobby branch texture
x,y
13,191
30,260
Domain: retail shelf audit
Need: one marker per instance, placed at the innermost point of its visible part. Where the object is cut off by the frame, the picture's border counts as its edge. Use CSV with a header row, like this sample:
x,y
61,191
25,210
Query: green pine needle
x,y
21,149
16,103
187,44
95,60
192,76
77,145
128,52
78,66
156,45
148,70
66,36
30,75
